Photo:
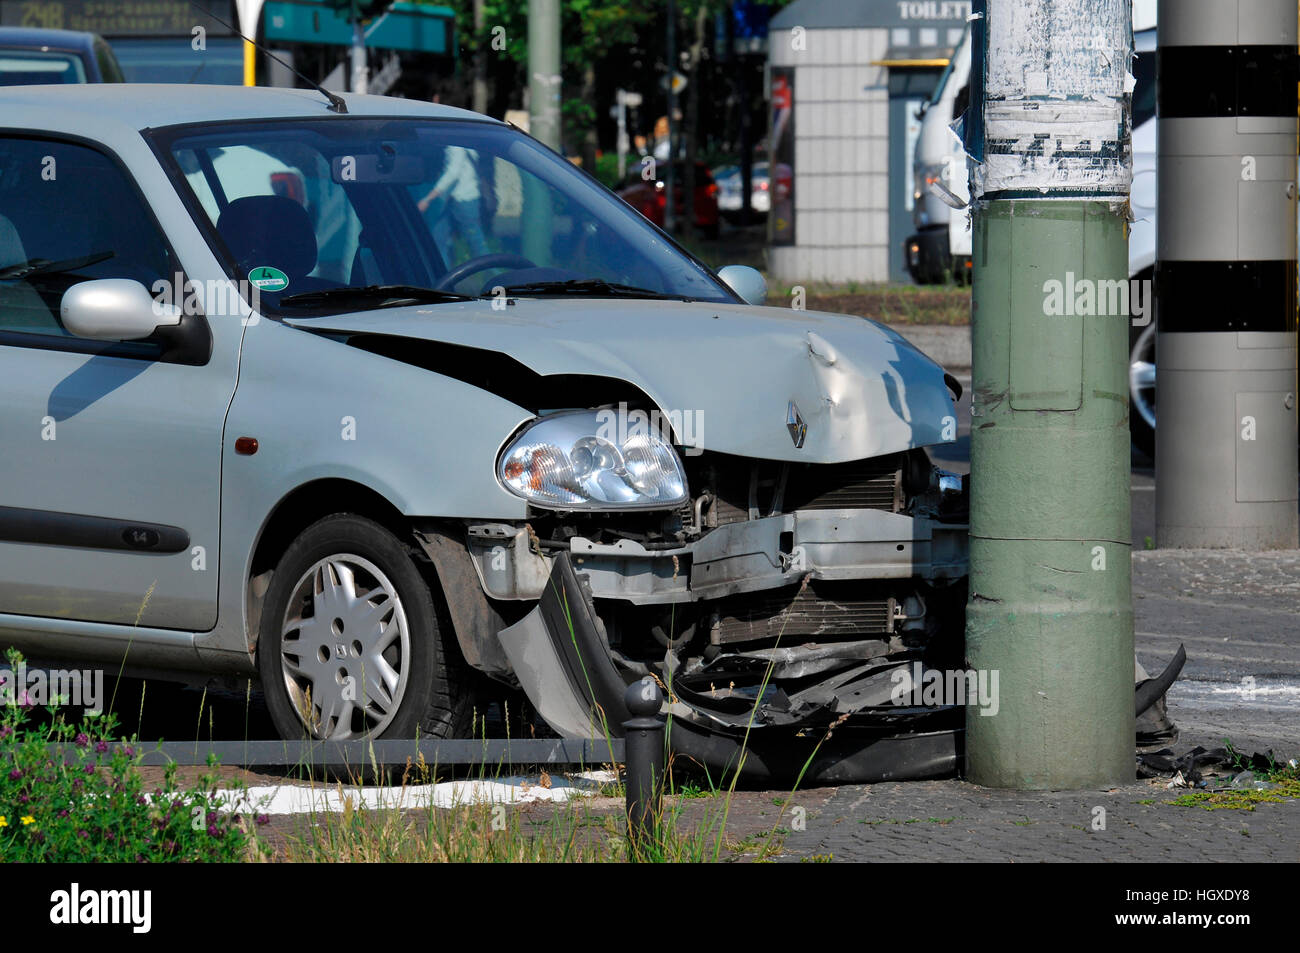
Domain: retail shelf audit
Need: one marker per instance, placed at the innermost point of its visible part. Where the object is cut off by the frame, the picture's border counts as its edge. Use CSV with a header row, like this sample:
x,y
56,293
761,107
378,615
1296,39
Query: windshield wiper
x,y
44,266
595,287
380,296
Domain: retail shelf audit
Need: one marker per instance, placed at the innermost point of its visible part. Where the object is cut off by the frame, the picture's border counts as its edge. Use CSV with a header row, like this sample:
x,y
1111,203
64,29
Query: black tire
x,y
434,699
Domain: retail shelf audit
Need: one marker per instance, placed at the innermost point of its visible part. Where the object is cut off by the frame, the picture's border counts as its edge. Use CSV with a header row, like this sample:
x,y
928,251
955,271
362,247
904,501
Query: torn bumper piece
x,y
739,557
851,731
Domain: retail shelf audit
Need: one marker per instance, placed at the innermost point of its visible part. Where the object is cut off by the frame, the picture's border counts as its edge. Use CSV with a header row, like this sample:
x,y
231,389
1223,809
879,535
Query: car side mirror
x,y
114,309
746,282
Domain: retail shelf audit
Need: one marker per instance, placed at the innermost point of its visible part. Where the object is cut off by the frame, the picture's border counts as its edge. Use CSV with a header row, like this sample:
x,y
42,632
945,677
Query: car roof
x,y
144,105
28,38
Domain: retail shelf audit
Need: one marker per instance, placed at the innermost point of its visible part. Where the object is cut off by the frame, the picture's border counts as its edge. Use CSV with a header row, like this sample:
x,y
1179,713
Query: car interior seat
x,y
273,231
28,232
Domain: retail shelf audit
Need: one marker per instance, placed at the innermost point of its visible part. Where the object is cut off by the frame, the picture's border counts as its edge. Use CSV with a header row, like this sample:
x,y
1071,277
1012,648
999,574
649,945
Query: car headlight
x,y
592,460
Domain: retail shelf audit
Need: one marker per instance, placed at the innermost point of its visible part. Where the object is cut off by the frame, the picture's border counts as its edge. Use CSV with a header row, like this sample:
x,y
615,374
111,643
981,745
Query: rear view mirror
x,y
386,168
746,282
114,309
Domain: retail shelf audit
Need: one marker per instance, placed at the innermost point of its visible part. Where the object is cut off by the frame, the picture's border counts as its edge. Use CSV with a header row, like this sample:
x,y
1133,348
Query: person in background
x,y
459,183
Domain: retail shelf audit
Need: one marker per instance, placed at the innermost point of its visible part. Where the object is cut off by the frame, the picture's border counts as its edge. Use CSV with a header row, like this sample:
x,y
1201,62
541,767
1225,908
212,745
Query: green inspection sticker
x,y
265,278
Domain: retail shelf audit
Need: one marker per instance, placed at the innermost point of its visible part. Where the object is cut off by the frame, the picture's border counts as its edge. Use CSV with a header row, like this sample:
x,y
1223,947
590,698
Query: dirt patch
x,y
189,775
755,821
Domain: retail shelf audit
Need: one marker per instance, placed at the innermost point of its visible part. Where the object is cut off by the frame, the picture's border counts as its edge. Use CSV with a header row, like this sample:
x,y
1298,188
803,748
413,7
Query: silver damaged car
x,y
392,407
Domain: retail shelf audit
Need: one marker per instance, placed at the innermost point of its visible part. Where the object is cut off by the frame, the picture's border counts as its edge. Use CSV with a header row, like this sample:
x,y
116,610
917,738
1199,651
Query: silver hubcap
x,y
345,648
1142,376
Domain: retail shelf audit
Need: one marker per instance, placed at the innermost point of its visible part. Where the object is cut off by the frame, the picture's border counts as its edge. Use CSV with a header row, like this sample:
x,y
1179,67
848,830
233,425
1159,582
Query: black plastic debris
x,y
1155,730
1194,765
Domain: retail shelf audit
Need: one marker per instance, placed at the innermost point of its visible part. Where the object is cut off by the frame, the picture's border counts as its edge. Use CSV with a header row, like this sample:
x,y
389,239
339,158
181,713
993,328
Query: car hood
x,y
738,371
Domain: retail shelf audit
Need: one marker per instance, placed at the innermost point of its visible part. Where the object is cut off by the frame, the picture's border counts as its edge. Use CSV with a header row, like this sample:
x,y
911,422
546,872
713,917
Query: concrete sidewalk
x,y
946,345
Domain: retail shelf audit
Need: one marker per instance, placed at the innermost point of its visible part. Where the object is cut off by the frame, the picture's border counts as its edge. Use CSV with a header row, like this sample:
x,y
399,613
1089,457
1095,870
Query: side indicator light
x,y
246,446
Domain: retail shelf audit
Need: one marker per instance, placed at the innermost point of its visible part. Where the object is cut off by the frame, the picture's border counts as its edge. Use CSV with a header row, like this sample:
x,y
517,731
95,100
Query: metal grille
x,y
791,614
863,484
847,486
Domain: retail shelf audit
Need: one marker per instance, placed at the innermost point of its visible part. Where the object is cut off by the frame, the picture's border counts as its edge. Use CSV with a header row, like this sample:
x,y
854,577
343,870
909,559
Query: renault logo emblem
x,y
794,423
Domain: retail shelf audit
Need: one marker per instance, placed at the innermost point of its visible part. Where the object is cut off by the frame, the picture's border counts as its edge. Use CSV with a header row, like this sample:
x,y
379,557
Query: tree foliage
x,y
590,28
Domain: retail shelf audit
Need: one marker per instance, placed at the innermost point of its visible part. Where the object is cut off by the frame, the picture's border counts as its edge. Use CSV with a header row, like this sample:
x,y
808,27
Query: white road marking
x,y
1267,694
321,799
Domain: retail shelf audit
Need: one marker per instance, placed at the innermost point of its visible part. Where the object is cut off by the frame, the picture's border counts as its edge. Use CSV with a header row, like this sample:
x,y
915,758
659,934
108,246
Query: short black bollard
x,y
645,757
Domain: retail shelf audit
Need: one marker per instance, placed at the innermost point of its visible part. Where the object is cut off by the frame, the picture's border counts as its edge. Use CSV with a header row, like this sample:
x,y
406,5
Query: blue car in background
x,y
31,57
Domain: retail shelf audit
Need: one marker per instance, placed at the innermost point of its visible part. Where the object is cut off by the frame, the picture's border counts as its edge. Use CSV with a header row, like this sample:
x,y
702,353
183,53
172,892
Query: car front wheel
x,y
350,644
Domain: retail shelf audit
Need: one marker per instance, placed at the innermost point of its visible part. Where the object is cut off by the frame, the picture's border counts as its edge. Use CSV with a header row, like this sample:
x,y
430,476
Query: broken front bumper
x,y
747,556
843,728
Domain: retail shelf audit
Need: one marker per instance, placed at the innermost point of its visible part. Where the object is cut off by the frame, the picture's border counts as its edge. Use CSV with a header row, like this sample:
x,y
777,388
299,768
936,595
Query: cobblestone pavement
x,y
952,821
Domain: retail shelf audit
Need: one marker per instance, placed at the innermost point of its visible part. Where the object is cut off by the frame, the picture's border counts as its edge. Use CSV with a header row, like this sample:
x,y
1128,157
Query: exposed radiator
x,y
792,615
864,484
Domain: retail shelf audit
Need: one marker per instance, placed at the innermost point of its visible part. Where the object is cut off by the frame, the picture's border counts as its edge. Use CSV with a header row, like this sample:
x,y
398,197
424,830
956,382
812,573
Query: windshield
x,y
958,54
36,67
301,207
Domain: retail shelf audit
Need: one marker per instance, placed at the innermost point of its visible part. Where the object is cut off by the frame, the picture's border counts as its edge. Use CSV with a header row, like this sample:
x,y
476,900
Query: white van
x,y
942,243
941,246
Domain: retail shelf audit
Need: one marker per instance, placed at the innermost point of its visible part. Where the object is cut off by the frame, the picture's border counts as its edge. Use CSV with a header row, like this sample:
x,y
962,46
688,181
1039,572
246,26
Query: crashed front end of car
x,y
780,600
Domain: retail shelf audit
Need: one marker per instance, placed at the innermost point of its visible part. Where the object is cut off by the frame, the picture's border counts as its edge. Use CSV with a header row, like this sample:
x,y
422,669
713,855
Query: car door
x,y
111,451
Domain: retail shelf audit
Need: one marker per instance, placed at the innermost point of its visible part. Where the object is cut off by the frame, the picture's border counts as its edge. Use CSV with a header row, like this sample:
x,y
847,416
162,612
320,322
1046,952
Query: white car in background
x,y
731,191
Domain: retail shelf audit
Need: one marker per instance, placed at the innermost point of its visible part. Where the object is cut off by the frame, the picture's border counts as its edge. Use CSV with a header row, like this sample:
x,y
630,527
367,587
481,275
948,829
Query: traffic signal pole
x,y
357,54
1050,606
1225,287
249,13
544,71
544,89
669,173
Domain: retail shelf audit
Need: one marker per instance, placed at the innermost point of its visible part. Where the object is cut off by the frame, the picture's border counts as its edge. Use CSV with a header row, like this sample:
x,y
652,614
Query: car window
x,y
1144,89
67,214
